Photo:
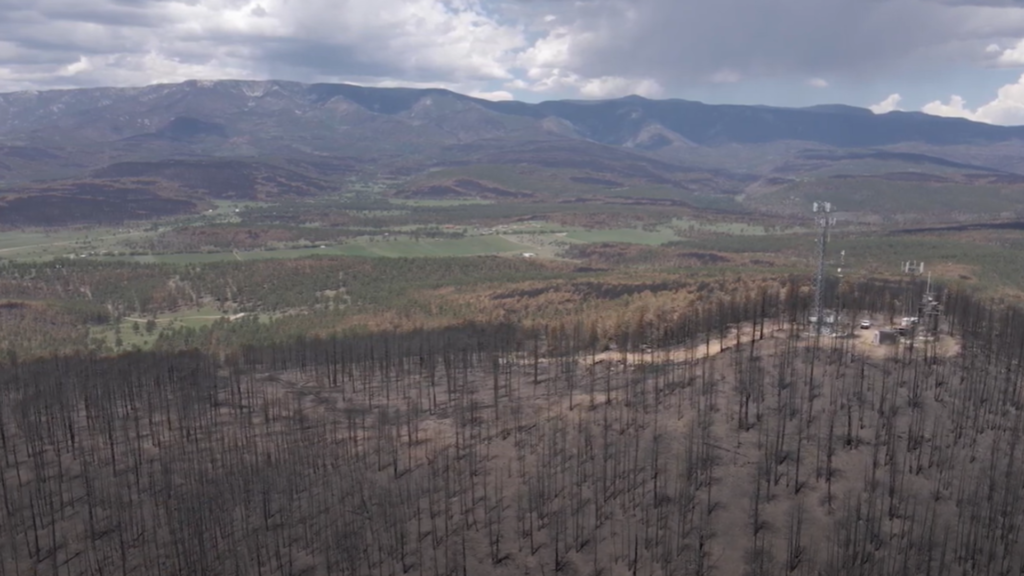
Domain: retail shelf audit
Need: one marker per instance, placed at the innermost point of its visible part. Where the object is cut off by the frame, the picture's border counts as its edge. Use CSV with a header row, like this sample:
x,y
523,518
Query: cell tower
x,y
824,220
929,310
913,269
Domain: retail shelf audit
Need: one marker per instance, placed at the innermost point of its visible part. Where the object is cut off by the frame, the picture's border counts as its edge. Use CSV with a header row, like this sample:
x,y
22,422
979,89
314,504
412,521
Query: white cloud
x,y
560,81
1007,108
494,95
469,89
444,40
1010,56
548,65
120,70
956,108
891,103
547,55
615,86
818,83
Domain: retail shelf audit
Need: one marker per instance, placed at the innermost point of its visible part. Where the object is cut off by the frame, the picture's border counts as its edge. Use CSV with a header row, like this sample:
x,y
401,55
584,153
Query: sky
x,y
947,57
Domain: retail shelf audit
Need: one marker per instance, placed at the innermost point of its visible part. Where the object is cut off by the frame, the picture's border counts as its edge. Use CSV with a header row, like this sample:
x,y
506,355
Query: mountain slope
x,y
267,139
233,179
619,121
264,112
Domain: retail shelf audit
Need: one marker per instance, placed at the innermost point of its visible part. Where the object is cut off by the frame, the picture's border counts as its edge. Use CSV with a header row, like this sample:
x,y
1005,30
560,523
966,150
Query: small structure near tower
x,y
885,338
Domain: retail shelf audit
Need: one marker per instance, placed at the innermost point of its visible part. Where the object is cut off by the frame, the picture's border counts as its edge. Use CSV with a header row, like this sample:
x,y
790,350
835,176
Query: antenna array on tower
x,y
822,211
913,267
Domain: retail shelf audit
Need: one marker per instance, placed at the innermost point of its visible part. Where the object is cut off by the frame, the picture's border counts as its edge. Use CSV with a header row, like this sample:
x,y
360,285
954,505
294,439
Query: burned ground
x,y
739,448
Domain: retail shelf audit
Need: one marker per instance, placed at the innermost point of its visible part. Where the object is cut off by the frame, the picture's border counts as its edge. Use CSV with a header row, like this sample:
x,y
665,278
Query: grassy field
x,y
472,246
141,338
688,226
17,241
39,244
43,244
549,229
676,230
572,182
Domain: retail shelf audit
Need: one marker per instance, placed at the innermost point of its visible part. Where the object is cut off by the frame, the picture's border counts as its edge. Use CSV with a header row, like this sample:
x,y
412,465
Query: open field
x,y
378,247
137,332
34,244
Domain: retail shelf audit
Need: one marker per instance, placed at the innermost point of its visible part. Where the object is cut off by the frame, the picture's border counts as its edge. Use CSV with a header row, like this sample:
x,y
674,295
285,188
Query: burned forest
x,y
725,440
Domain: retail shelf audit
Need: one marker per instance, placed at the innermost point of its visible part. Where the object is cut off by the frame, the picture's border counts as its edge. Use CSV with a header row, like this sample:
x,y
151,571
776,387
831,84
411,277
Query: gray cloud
x,y
679,42
283,57
588,47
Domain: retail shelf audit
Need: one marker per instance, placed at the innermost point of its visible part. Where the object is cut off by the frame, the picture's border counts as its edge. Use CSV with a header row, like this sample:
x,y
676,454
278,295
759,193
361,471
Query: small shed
x,y
885,338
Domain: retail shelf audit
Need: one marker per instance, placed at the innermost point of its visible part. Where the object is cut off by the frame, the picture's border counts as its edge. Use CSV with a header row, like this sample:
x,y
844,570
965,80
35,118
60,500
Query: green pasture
x,y
38,244
687,226
132,338
378,248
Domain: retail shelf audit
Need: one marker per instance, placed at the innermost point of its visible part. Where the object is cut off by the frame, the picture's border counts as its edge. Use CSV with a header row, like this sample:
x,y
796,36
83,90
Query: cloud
x,y
560,81
1007,108
588,48
494,95
956,108
888,105
680,43
547,67
455,41
1013,56
615,86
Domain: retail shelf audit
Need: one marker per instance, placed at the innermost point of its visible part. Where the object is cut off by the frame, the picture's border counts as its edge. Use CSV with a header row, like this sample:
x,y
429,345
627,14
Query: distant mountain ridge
x,y
198,140
239,109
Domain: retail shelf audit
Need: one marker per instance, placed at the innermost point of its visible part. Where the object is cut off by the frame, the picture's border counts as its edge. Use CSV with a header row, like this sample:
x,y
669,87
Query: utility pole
x,y
825,221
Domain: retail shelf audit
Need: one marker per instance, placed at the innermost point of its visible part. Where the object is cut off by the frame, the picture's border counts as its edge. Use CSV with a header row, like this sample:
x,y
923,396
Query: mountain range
x,y
263,139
